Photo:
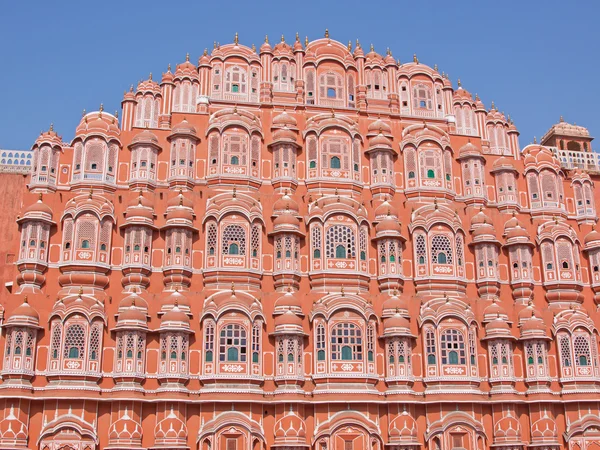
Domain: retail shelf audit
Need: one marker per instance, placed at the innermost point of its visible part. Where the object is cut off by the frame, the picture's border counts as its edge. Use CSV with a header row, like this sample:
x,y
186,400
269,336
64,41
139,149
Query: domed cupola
x,y
266,47
24,315
183,141
169,300
186,69
96,149
381,156
472,163
285,150
148,97
98,123
175,320
21,328
520,247
140,211
139,229
396,325
144,148
289,341
35,225
174,331
179,231
395,303
398,341
180,211
287,236
47,150
500,342
130,334
535,341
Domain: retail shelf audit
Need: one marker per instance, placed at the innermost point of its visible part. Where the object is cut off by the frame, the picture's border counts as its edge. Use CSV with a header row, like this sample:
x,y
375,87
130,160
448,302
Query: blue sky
x,y
535,59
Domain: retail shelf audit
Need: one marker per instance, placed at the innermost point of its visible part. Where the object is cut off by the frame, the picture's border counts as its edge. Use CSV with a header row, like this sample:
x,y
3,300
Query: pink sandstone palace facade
x,y
305,246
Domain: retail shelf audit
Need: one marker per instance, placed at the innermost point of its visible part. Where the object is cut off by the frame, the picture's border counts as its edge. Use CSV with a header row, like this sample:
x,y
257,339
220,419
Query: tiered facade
x,y
303,246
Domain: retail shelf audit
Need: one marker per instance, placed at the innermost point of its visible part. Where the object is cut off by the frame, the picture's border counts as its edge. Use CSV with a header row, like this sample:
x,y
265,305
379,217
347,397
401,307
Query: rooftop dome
x,y
38,207
379,127
99,122
286,203
24,314
184,127
396,325
285,120
469,150
563,128
385,209
145,137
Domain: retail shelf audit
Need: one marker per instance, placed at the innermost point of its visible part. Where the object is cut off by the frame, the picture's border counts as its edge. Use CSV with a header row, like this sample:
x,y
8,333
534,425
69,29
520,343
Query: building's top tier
x,y
566,136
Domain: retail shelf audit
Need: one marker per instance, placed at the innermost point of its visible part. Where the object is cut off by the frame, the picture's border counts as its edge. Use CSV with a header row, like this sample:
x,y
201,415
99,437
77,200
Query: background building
x,y
305,245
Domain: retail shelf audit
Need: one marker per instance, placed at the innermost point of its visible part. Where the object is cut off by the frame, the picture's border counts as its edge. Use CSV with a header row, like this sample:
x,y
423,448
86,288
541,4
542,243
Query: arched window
x,y
75,337
422,97
234,240
330,86
340,242
233,344
453,347
441,250
335,163
320,342
346,342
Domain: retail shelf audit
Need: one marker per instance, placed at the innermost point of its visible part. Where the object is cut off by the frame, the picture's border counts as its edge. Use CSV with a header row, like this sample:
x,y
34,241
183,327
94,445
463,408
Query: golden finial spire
x,y
435,204
477,96
343,294
116,114
51,127
91,192
306,41
297,37
150,77
236,39
459,83
415,59
561,119
266,39
232,289
187,57
282,38
534,140
435,67
349,46
493,105
372,49
234,192
388,52
101,107
25,299
214,45
205,52
130,90
80,293
40,196
332,113
169,66
326,33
